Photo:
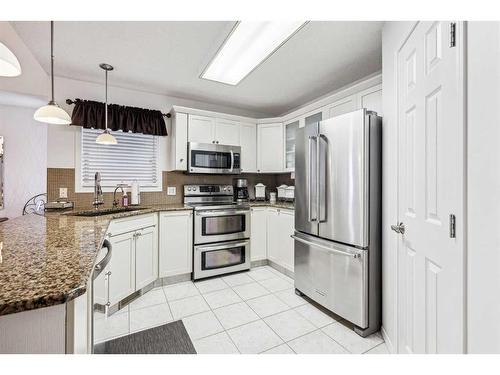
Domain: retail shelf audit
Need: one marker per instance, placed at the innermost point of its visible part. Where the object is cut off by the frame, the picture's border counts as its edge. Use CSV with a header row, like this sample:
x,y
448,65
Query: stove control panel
x,y
201,190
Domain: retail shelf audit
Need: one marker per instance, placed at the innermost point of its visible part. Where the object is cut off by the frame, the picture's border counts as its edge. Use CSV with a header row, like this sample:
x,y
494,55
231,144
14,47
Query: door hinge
x,y
452,226
453,34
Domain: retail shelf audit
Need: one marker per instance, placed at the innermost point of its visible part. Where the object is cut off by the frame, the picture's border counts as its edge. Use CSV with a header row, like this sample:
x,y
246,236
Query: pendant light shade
x,y
9,64
52,113
106,138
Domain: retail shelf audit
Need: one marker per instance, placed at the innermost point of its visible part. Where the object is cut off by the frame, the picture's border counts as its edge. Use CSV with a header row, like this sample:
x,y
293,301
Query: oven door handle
x,y
223,246
221,212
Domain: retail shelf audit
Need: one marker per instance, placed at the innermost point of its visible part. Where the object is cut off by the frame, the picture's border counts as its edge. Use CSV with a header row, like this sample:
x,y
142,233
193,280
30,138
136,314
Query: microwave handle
x,y
232,161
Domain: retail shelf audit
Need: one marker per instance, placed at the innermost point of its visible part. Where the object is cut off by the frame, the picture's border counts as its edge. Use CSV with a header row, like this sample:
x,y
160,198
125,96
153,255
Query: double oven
x,y
221,230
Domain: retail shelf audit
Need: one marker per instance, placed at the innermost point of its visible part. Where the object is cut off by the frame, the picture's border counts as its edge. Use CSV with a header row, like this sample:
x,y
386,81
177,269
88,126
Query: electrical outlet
x,y
171,190
63,192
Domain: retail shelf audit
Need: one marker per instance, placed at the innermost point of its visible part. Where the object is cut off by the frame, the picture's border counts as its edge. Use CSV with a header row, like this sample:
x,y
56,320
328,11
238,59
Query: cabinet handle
x,y
181,160
217,142
108,304
213,141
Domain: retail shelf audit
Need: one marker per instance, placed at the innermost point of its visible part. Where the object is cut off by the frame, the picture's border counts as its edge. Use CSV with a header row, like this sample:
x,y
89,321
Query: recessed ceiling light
x,y
248,45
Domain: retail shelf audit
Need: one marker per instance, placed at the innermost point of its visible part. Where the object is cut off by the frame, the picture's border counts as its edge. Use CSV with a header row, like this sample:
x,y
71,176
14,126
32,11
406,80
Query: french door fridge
x,y
338,216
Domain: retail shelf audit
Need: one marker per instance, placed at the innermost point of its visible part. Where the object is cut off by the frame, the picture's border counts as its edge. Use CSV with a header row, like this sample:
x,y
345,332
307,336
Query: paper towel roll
x,y
135,193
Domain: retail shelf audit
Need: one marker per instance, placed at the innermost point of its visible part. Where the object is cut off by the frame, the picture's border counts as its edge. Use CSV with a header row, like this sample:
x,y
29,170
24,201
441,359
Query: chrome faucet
x,y
98,197
115,201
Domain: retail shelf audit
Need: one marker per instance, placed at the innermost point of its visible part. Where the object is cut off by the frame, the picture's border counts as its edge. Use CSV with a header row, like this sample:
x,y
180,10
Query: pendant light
x,y
9,64
106,138
52,113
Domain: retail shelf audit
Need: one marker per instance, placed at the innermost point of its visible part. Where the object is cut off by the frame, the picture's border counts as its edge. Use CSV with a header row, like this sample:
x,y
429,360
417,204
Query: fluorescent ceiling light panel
x,y
249,44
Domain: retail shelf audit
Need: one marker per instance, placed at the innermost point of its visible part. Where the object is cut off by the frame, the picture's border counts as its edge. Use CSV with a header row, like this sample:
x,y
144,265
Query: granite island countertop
x,y
48,260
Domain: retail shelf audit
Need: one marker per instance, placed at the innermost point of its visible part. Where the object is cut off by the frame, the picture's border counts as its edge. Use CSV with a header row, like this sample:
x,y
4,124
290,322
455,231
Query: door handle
x,y
400,228
309,180
326,248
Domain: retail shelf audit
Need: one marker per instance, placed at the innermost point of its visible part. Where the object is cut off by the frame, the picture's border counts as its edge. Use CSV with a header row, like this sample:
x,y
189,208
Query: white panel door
x,y
273,236
121,281
201,129
227,132
430,187
258,233
270,148
248,143
146,257
176,249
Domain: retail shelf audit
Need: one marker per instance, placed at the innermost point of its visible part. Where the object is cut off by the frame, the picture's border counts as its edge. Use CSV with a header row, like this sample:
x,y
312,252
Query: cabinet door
x,y
270,148
227,132
290,130
371,99
258,234
100,286
248,143
344,105
121,281
286,228
146,257
176,248
273,236
201,129
178,139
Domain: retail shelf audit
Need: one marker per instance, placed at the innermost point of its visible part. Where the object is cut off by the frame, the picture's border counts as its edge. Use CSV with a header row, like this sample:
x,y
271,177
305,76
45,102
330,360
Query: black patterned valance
x,y
90,114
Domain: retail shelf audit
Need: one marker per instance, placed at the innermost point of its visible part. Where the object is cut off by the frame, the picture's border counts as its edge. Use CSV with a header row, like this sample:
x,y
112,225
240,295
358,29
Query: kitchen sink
x,y
105,211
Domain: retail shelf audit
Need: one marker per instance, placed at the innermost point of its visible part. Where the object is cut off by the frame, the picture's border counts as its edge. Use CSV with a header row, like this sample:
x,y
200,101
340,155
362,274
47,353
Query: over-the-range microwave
x,y
213,158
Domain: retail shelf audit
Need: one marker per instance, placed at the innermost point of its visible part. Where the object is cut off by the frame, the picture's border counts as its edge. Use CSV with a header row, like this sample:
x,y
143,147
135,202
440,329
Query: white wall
x,y
25,161
393,35
483,187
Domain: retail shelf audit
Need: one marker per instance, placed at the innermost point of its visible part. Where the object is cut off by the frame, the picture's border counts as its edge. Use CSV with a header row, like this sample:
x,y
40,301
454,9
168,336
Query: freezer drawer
x,y
334,275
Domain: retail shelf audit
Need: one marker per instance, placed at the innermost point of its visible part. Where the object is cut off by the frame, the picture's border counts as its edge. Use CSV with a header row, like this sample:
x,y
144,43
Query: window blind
x,y
135,157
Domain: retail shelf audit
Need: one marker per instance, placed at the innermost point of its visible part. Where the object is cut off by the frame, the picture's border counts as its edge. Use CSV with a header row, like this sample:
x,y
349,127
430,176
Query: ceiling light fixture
x,y
52,113
248,45
9,64
106,138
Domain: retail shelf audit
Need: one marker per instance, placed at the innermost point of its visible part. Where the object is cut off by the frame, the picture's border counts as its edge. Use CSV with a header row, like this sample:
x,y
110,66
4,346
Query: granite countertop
x,y
278,204
48,260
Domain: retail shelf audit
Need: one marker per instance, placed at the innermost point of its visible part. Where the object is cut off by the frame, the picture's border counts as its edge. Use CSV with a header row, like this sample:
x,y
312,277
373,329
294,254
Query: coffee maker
x,y
240,190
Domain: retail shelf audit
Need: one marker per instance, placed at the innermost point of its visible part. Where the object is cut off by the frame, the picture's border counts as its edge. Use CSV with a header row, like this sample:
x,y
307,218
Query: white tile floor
x,y
251,312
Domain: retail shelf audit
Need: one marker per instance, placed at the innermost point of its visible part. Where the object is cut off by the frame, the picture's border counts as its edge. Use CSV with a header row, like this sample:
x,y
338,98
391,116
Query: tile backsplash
x,y
65,178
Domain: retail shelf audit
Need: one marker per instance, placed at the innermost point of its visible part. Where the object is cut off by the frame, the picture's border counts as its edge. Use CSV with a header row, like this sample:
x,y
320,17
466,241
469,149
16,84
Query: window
x,y
135,157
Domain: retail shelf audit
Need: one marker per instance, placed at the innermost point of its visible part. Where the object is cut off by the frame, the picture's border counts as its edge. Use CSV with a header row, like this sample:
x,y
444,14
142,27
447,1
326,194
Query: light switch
x,y
171,190
63,192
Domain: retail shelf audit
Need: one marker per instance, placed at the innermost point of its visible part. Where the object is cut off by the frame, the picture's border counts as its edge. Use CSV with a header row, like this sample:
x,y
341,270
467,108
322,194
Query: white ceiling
x,y
168,58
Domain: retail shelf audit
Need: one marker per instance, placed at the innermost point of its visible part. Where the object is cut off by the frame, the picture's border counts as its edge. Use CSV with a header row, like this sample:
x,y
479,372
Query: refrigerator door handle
x,y
345,253
310,189
321,179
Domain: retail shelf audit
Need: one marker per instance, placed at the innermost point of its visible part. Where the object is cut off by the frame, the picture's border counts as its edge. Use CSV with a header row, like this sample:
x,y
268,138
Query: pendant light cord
x,y
52,59
106,106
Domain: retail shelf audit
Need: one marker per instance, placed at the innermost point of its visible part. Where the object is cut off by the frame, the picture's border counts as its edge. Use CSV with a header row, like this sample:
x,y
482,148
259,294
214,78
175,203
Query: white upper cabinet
x,y
344,105
289,157
248,143
178,138
371,99
201,129
227,132
270,148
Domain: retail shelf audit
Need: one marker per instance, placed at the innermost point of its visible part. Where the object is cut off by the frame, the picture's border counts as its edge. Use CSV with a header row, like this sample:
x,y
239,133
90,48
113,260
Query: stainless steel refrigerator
x,y
338,216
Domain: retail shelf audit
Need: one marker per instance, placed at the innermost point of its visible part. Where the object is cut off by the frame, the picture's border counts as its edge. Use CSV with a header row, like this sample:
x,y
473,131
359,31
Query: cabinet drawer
x,y
129,224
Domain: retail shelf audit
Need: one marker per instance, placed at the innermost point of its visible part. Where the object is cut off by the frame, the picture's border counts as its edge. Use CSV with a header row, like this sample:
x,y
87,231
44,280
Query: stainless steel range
x,y
221,230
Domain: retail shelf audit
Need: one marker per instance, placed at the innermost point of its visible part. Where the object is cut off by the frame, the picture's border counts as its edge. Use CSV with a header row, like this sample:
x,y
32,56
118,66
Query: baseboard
x,y
259,263
387,340
281,269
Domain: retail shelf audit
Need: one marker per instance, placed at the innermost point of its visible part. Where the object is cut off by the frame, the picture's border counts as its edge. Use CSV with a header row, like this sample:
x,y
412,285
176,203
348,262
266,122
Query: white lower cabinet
x,y
258,233
176,246
134,259
146,257
280,226
121,268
